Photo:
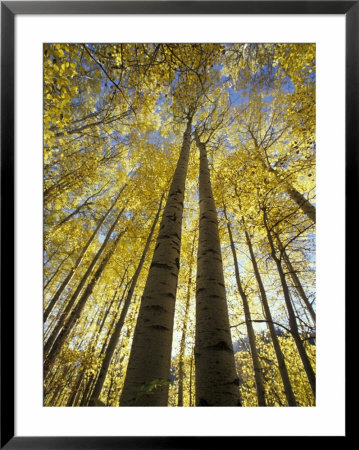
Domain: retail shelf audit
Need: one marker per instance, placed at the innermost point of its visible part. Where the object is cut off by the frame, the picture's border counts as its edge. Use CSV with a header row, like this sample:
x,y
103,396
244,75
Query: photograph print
x,y
179,224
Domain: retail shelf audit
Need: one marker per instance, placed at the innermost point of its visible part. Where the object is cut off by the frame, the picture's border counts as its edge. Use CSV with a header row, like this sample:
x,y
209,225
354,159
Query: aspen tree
x,y
291,315
216,378
79,259
247,314
70,321
288,389
147,376
118,326
181,373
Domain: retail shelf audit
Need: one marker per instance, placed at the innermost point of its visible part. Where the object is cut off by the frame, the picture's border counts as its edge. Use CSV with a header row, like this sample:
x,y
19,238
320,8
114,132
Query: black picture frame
x,y
9,9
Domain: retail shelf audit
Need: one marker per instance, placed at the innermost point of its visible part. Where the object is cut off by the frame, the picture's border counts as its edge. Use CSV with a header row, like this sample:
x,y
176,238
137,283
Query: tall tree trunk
x,y
113,320
76,312
304,204
47,389
107,311
76,211
78,261
52,255
307,208
118,328
75,389
217,383
49,328
184,330
182,348
55,396
103,121
150,357
56,271
296,281
291,315
258,374
60,384
104,315
87,390
191,378
49,343
288,390
110,389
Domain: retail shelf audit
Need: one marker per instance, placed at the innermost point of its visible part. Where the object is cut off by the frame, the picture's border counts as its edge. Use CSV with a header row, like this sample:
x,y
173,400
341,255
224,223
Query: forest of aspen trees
x,y
179,225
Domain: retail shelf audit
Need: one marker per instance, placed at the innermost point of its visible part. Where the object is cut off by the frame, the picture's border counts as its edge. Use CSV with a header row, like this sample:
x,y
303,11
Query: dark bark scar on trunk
x,y
159,327
155,308
161,266
221,346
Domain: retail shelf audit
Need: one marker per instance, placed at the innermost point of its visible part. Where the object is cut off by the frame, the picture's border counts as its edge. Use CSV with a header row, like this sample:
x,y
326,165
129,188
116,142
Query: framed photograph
x,y
162,246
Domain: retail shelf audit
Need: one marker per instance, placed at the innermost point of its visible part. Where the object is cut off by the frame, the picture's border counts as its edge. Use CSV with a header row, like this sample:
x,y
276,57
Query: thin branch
x,y
267,321
109,77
